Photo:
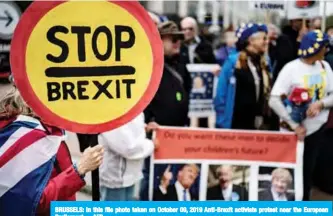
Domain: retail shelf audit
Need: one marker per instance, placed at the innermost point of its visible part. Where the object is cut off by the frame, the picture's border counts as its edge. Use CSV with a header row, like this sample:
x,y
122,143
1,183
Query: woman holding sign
x,y
307,83
35,164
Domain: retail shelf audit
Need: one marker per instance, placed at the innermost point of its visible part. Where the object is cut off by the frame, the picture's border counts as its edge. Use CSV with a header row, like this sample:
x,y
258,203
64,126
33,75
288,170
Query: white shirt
x,y
126,148
191,49
276,196
312,77
227,193
180,192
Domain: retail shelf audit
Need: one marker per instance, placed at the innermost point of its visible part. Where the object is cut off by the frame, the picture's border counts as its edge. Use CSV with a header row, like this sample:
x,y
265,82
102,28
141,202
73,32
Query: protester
x,y
281,180
311,73
180,190
36,166
329,54
245,82
170,104
295,32
126,148
195,49
226,189
280,49
228,47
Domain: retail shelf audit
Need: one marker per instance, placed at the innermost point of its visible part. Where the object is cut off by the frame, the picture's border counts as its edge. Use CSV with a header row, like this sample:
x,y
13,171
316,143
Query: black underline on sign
x,y
89,71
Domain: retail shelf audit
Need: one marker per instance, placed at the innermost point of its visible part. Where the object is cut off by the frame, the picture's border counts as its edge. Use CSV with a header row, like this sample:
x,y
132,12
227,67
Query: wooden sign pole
x,y
85,141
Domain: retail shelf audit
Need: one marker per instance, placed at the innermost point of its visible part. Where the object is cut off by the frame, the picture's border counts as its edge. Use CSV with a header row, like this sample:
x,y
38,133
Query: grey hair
x,y
284,173
12,104
193,22
276,29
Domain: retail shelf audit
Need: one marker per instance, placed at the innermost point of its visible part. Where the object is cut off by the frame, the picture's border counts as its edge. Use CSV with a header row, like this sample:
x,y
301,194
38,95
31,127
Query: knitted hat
x,y
312,43
245,31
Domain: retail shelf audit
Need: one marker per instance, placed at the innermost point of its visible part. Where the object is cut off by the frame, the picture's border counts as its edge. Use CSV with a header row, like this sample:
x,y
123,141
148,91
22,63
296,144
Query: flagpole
x,y
323,21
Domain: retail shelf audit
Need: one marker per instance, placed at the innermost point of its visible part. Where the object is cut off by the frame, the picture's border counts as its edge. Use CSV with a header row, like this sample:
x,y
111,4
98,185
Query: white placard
x,y
303,9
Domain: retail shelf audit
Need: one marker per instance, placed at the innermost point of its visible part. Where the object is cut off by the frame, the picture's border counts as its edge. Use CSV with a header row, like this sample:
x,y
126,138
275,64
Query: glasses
x,y
175,39
188,29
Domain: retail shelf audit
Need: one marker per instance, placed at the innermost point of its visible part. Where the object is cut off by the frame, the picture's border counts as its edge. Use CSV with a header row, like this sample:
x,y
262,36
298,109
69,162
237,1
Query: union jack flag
x,y
27,153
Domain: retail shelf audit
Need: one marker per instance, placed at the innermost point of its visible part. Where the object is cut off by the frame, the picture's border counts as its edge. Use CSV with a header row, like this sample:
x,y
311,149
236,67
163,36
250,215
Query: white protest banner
x,y
233,165
303,9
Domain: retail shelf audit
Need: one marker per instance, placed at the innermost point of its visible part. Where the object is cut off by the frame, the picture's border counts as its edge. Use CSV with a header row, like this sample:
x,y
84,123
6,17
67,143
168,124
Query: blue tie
x,y
185,197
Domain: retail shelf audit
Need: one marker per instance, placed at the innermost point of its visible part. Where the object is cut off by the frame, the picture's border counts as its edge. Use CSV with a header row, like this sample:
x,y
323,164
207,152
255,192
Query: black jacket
x,y
267,195
281,53
292,36
203,53
171,195
329,57
215,193
170,104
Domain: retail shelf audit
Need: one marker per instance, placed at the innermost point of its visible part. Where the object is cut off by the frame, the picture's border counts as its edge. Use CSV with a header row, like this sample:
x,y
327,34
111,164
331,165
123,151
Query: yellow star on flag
x,y
319,39
304,52
300,52
310,50
316,45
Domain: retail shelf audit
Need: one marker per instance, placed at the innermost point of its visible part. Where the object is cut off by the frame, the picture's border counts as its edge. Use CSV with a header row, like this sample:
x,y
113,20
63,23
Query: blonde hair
x,y
243,64
282,173
193,166
12,104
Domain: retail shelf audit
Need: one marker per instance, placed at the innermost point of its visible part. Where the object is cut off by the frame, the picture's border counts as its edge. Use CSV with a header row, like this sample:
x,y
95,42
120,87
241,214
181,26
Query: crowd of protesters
x,y
257,65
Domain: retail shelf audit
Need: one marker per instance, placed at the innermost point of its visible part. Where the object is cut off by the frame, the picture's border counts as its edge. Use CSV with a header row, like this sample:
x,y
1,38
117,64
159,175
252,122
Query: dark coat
x,y
329,57
292,36
170,104
215,193
281,53
203,53
267,195
171,195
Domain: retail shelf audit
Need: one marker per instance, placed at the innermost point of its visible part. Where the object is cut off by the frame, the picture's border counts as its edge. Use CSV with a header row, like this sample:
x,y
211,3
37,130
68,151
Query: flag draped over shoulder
x,y
27,154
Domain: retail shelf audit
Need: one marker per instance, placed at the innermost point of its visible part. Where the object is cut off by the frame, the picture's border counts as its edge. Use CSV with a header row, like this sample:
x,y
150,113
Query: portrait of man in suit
x,y
180,190
281,180
226,189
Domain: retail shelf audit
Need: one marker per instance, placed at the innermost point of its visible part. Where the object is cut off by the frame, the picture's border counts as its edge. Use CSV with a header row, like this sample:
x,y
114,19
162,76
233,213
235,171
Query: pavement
x,y
80,196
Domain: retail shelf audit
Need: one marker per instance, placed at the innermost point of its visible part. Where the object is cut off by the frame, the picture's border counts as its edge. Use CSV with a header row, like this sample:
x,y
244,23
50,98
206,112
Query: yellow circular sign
x,y
91,63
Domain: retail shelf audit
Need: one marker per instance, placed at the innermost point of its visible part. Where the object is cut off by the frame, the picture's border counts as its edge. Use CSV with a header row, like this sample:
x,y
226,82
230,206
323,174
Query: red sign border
x,y
27,23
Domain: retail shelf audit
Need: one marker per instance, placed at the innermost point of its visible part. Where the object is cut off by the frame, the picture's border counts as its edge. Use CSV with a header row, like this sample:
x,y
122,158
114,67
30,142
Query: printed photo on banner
x,y
227,182
276,184
202,93
224,165
176,182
